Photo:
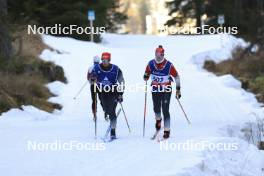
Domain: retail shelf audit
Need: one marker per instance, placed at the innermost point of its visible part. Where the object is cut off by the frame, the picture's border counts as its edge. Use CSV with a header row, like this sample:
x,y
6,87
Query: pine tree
x,y
184,10
5,41
67,12
247,15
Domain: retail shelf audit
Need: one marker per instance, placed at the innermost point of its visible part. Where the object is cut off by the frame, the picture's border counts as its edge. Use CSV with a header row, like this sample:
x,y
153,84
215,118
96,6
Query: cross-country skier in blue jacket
x,y
107,77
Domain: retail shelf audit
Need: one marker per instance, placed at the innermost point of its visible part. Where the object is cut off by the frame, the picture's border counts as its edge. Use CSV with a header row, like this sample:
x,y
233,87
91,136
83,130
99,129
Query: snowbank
x,y
247,160
224,52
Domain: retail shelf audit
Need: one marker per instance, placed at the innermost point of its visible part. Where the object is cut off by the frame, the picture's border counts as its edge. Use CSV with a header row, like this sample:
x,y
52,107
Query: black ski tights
x,y
161,100
109,103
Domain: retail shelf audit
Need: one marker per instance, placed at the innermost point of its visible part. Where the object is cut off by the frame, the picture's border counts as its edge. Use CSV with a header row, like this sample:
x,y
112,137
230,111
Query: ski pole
x,y
95,127
125,117
183,111
78,93
145,109
95,116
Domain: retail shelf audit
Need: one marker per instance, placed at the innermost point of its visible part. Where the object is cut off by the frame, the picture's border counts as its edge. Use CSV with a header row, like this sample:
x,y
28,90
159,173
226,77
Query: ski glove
x,y
120,98
146,76
178,94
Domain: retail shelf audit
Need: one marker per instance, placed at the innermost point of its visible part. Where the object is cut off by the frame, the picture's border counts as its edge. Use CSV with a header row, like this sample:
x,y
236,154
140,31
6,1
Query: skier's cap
x,y
160,50
96,59
106,56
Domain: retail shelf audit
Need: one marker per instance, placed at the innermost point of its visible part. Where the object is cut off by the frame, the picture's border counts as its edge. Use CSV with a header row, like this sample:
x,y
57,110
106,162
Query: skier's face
x,y
159,56
105,62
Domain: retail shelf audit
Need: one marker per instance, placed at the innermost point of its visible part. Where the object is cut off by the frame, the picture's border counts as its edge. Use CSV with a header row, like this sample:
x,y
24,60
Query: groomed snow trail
x,y
209,104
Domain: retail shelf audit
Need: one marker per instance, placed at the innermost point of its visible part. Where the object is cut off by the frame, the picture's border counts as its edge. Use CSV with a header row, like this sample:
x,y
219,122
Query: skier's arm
x,y
120,77
92,76
147,73
121,81
89,74
176,76
178,82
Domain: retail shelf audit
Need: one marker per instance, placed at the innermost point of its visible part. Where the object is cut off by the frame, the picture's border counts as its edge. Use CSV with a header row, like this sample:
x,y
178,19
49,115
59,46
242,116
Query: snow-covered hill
x,y
217,108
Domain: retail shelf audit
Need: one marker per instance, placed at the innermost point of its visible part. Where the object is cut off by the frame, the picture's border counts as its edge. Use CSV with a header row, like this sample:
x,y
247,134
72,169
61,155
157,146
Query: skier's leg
x,y
109,103
113,122
112,111
156,97
99,96
157,104
104,101
166,113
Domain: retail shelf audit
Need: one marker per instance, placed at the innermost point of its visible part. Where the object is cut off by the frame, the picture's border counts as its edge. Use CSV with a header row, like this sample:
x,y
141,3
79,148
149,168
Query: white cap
x,y
96,59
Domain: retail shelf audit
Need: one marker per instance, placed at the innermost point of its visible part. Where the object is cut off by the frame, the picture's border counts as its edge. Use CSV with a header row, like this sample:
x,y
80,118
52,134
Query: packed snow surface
x,y
212,104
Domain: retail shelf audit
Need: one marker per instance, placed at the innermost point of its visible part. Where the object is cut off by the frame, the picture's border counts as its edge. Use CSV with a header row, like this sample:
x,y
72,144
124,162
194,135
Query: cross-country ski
x,y
109,128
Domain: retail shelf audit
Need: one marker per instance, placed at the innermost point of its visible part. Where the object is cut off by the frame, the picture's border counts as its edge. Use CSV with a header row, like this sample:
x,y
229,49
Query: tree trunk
x,y
5,41
198,6
198,11
3,7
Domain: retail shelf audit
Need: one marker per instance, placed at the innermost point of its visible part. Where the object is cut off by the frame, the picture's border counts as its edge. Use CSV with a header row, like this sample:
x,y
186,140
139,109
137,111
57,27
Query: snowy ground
x,y
217,108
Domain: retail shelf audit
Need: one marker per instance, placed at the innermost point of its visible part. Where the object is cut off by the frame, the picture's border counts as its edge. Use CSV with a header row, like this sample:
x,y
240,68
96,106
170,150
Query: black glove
x,y
178,94
120,98
93,78
146,76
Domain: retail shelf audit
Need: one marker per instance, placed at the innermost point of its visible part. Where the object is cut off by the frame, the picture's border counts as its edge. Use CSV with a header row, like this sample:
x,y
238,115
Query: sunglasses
x,y
105,61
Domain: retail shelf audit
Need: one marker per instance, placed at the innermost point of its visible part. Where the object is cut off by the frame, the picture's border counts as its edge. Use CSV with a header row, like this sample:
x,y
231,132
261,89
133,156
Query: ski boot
x,y
166,134
112,134
158,125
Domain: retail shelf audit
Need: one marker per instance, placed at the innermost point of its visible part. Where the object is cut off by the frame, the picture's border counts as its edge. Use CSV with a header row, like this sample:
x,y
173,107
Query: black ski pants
x,y
109,103
161,102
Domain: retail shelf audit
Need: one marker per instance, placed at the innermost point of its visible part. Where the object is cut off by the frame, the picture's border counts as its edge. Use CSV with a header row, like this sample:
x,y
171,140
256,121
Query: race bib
x,y
160,79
